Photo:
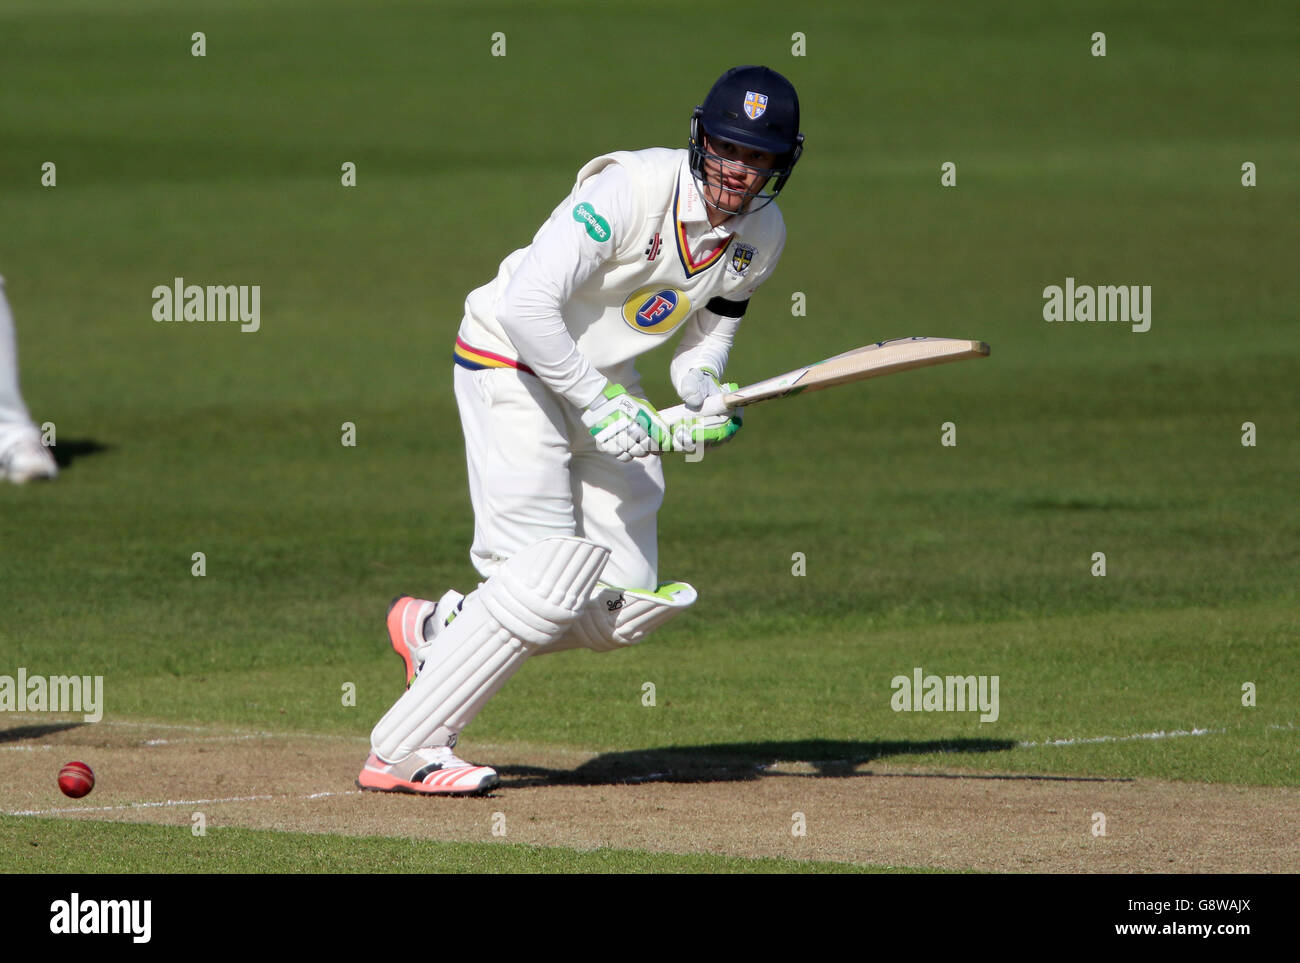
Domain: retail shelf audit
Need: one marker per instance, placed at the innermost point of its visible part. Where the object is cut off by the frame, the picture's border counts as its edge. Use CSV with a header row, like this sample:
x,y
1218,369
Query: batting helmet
x,y
753,107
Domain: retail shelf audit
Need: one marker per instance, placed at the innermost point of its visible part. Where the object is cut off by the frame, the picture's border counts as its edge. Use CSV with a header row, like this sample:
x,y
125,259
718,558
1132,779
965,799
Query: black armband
x,y
728,309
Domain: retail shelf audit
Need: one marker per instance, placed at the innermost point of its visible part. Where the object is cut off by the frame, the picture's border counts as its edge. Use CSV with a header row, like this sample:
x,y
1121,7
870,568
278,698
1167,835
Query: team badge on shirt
x,y
755,104
741,257
656,310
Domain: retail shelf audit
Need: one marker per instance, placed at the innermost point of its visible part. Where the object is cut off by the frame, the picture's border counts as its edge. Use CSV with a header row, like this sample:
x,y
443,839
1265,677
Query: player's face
x,y
736,174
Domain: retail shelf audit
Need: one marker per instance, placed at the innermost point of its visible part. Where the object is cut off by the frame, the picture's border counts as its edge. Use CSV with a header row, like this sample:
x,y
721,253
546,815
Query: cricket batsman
x,y
562,448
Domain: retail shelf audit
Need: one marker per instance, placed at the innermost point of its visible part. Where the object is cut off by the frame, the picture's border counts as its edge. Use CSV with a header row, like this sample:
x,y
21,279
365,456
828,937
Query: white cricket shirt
x,y
625,261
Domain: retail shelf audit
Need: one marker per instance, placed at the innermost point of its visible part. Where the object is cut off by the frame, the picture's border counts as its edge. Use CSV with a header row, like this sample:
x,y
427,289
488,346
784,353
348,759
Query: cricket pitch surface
x,y
854,812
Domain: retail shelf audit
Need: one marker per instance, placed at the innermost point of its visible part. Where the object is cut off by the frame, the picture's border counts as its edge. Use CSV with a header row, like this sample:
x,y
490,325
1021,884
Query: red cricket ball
x,y
76,779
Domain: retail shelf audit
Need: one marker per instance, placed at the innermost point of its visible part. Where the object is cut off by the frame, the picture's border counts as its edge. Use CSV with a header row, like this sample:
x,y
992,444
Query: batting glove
x,y
709,431
696,386
626,426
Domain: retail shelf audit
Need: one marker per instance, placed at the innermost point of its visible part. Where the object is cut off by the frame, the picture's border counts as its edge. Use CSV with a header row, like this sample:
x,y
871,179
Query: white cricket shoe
x,y
428,772
26,459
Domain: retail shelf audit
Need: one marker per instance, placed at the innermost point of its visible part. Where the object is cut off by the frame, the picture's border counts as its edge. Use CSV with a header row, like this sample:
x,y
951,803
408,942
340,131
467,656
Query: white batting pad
x,y
531,600
618,617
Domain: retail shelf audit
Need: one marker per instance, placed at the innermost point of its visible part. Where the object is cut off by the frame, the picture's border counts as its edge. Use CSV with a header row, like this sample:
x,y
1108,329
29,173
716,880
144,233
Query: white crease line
x,y
190,742
157,725
173,802
245,734
224,733
1176,733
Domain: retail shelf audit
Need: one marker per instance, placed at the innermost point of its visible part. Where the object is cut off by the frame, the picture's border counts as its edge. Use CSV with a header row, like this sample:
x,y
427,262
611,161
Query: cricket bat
x,y
869,361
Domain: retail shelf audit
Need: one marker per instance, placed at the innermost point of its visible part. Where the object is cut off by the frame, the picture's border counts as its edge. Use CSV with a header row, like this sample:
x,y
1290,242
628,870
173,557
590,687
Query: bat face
x,y
869,361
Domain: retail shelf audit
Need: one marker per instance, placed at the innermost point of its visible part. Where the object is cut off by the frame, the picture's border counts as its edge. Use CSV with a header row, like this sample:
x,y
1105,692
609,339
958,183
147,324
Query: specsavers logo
x,y
597,226
656,310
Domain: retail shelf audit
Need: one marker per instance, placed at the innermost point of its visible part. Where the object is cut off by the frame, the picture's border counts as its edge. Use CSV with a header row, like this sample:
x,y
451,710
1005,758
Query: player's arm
x,y
701,355
696,371
568,250
701,358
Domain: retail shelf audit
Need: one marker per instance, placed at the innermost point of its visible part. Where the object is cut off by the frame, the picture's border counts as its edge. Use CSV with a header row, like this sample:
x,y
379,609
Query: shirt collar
x,y
690,206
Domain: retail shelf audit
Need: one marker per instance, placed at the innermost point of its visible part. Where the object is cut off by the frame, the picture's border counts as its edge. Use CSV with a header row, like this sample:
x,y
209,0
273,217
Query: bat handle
x,y
714,405
675,414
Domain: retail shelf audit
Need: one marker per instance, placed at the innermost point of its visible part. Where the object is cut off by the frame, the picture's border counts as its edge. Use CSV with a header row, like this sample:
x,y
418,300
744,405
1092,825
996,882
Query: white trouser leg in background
x,y
13,413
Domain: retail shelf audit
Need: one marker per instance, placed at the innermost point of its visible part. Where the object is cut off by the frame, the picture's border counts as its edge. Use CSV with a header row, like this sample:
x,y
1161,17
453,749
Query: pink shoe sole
x,y
456,781
402,610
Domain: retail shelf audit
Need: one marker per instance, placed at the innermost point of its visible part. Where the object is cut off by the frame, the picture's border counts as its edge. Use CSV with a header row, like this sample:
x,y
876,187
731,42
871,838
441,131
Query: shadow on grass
x,y
737,762
19,733
66,452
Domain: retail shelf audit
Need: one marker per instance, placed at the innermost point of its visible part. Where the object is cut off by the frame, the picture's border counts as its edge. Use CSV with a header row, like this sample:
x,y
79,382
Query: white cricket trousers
x,y
535,472
14,419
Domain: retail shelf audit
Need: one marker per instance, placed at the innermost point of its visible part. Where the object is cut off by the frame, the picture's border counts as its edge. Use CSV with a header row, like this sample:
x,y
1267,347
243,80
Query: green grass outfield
x,y
1071,439
57,846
